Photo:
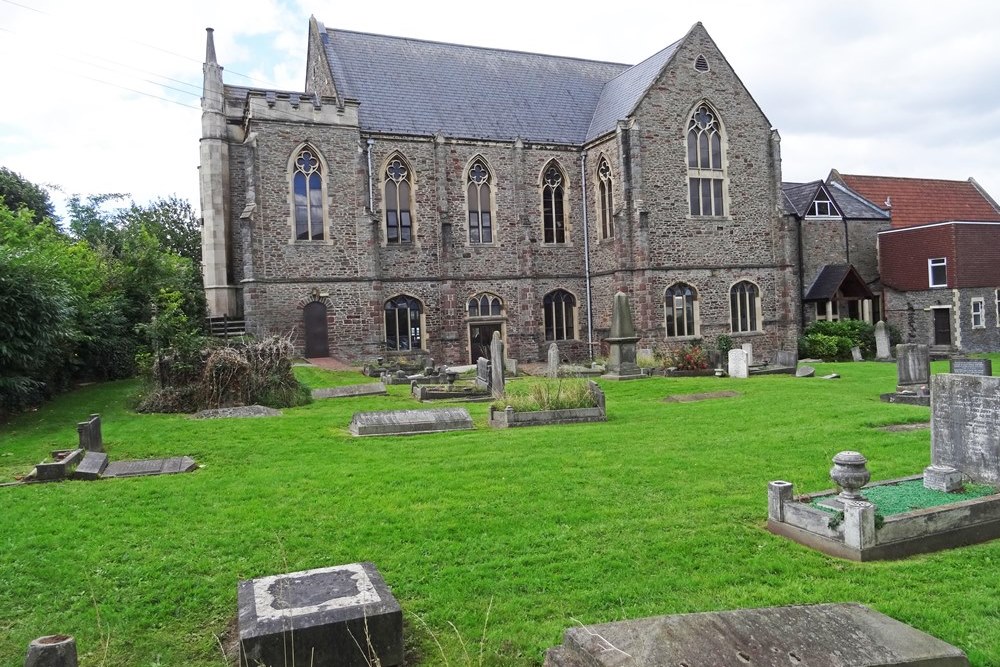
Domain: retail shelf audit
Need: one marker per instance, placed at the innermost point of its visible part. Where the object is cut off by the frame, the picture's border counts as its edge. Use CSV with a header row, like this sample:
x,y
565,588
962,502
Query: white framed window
x,y
744,307
978,313
822,206
937,271
403,323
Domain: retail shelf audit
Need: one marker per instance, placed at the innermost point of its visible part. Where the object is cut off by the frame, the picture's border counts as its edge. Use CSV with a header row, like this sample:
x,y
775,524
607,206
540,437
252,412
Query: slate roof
x,y
833,277
411,86
918,201
799,196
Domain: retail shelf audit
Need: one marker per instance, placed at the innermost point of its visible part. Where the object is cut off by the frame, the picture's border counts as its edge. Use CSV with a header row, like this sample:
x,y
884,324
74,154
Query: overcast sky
x,y
103,96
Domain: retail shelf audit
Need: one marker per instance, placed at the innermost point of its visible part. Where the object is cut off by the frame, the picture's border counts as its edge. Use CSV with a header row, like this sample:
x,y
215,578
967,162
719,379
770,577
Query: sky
x,y
104,96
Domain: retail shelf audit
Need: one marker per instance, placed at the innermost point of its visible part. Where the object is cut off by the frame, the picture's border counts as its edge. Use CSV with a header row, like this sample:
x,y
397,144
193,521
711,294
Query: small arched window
x,y
605,199
485,305
403,323
554,204
681,306
398,221
706,176
744,307
479,203
307,196
560,315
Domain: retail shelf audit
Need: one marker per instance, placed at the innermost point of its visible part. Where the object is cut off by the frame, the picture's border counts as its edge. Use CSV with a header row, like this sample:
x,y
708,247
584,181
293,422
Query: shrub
x,y
821,346
562,394
723,344
858,332
688,358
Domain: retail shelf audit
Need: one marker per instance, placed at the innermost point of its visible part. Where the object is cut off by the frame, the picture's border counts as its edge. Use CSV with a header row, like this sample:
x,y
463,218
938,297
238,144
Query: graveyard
x,y
494,542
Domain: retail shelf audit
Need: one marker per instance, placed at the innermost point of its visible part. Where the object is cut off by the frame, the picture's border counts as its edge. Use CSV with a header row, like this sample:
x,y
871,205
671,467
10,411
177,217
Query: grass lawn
x,y
659,510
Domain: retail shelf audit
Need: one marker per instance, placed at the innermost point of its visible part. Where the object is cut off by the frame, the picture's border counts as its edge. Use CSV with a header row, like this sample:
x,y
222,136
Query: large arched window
x,y
681,306
479,203
560,315
605,199
706,175
744,307
307,196
485,305
402,323
398,222
554,204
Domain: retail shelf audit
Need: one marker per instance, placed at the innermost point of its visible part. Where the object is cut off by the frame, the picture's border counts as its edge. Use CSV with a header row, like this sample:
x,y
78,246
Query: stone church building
x,y
418,196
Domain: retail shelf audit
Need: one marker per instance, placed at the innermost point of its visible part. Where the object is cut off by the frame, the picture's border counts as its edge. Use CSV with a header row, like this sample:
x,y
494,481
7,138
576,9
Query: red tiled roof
x,y
918,201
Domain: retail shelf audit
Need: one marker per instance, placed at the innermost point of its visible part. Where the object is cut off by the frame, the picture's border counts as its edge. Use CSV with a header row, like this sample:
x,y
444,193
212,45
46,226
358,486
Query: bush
x,y
858,332
822,346
687,358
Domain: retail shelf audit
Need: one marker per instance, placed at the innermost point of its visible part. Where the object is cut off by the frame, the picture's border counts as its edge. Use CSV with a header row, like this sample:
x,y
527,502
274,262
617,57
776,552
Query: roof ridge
x,y
851,193
904,178
645,60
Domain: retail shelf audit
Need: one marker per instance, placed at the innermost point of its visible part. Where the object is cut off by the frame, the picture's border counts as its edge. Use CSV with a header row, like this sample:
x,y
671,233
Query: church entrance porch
x,y
480,335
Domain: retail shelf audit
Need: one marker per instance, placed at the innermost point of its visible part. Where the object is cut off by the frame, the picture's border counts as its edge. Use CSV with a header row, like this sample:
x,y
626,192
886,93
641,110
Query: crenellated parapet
x,y
293,107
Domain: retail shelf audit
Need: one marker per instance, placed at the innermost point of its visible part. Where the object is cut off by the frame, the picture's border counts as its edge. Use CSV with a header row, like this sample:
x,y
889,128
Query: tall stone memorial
x,y
965,431
622,341
882,350
913,367
496,365
552,369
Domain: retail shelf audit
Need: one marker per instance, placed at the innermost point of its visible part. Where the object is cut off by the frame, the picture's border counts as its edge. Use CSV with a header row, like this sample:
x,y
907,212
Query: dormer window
x,y
822,206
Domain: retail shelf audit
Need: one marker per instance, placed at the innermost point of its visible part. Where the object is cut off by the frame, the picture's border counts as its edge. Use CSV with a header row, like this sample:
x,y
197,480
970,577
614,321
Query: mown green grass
x,y
659,510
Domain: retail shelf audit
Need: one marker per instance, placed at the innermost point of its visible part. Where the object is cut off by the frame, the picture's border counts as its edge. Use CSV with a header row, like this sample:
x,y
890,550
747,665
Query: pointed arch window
x,y
403,323
479,203
560,315
605,199
398,221
744,307
307,196
554,204
485,305
706,175
682,316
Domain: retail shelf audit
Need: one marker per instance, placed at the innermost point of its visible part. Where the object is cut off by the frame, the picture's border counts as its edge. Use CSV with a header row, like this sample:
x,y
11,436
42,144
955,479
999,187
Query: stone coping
x,y
410,422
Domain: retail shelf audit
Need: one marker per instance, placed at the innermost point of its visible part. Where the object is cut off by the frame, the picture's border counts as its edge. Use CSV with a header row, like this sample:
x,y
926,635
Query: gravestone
x,y
738,364
483,373
969,366
496,365
92,466
822,635
410,422
343,615
367,389
90,434
805,372
965,426
511,366
882,350
748,348
913,366
552,370
786,358
173,465
856,354
622,341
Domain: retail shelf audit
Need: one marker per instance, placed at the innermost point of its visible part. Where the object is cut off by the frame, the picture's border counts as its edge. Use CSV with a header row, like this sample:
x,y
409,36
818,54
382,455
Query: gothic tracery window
x,y
398,221
605,199
681,306
307,196
402,323
485,305
744,307
706,176
559,315
554,204
479,202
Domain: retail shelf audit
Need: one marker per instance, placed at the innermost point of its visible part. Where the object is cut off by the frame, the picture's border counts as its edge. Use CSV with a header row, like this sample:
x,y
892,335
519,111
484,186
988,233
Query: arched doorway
x,y
317,335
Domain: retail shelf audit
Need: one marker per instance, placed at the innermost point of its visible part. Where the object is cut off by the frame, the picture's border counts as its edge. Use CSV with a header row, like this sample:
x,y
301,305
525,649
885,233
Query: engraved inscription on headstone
x,y
149,467
913,365
965,425
970,366
483,373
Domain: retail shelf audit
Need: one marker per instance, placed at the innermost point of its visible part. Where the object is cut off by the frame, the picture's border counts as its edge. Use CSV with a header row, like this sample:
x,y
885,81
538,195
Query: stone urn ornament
x,y
850,473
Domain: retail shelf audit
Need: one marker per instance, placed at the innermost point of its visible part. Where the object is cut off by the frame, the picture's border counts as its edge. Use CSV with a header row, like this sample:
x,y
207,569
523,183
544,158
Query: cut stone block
x,y
92,466
825,635
343,616
856,354
368,389
150,467
942,478
61,467
409,422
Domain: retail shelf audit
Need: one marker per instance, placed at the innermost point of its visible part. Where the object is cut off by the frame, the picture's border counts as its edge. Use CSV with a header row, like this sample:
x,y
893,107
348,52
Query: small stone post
x,y
859,524
778,493
52,651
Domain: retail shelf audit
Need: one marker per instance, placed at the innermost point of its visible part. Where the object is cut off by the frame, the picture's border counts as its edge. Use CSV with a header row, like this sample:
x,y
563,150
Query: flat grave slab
x,y
691,398
239,411
368,389
970,366
343,615
142,467
824,635
410,422
92,466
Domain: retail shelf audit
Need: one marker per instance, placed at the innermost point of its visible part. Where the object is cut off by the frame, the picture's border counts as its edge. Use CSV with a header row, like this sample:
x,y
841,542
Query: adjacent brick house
x,y
420,196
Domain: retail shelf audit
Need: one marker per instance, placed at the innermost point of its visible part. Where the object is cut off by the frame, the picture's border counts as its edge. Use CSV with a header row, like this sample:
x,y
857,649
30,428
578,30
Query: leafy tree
x,y
172,221
18,192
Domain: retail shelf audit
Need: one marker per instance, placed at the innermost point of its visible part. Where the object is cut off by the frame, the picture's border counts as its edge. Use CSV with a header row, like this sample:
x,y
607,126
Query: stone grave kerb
x,y
622,341
496,365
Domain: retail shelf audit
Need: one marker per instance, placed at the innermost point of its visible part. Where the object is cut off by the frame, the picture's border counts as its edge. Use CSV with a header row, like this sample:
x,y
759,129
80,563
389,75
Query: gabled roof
x,y
838,277
798,197
918,201
417,87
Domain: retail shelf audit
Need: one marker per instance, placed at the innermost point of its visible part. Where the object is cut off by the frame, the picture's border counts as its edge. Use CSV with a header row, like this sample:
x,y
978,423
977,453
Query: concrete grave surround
x,y
738,364
367,389
965,425
913,366
824,635
622,342
62,465
343,615
970,366
410,422
90,434
882,349
496,365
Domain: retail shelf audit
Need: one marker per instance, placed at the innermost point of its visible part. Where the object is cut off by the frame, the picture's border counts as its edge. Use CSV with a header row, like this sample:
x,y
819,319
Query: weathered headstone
x,y
856,354
622,342
805,372
483,373
345,391
824,635
409,422
90,434
786,358
738,366
92,466
343,615
552,370
882,350
913,366
965,425
511,366
748,348
52,651
173,465
496,365
970,366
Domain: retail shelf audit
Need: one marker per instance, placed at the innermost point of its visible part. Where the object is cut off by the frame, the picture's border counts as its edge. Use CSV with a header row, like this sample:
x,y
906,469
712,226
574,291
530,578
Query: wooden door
x,y
317,335
942,326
